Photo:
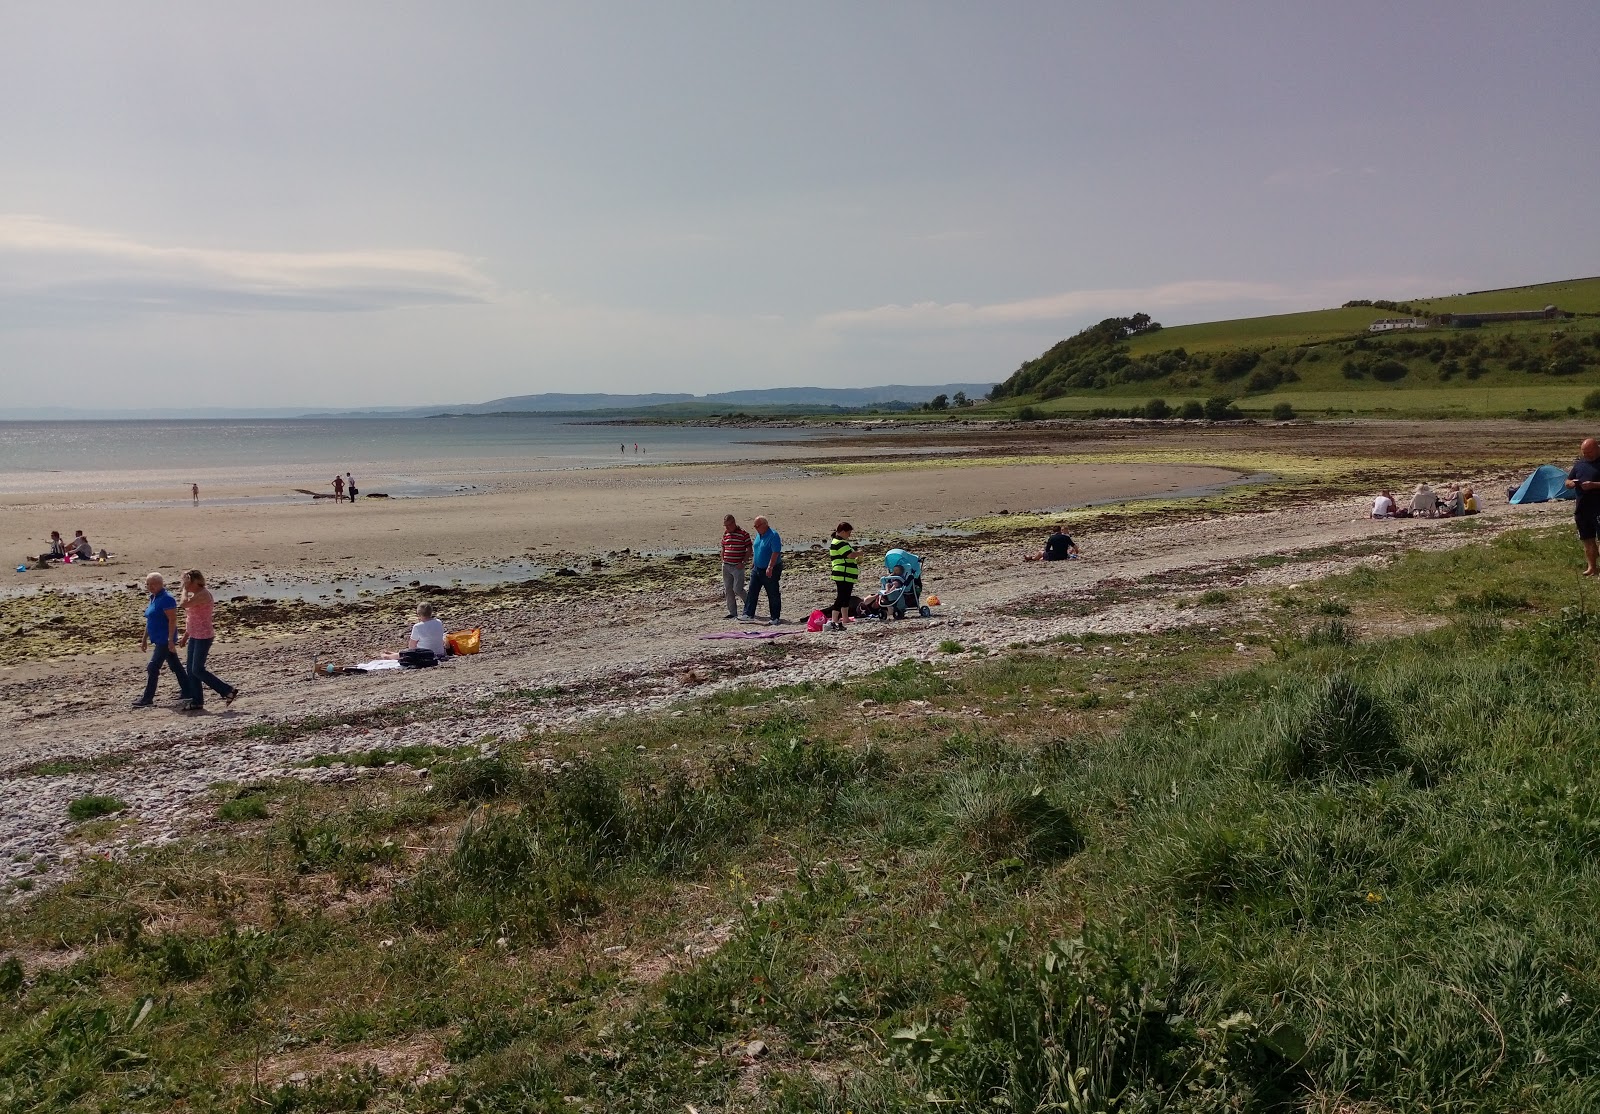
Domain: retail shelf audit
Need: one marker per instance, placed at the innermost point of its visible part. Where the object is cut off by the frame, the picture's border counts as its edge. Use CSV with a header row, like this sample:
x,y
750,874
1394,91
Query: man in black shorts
x,y
1585,480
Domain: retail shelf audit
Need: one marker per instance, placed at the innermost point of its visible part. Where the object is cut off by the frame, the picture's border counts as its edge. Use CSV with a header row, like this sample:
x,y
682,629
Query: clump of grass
x,y
1334,632
1215,597
476,779
251,806
1333,607
92,807
996,818
11,976
1342,729
950,646
1492,600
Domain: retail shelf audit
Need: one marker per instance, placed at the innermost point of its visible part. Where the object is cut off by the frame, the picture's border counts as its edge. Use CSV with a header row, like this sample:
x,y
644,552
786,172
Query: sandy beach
x,y
548,516
624,631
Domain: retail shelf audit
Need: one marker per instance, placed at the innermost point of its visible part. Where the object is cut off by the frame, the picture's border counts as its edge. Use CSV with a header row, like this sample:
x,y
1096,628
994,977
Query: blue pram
x,y
900,589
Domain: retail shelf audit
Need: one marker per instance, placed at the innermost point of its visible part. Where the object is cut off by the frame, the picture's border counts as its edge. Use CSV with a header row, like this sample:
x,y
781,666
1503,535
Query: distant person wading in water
x,y
194,491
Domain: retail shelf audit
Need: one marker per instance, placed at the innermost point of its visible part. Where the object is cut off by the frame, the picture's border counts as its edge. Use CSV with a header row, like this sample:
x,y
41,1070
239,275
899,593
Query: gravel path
x,y
68,732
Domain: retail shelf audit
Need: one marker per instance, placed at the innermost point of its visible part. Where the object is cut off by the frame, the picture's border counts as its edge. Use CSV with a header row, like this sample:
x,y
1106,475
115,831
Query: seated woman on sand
x,y
1424,502
57,550
1451,505
1383,506
1469,501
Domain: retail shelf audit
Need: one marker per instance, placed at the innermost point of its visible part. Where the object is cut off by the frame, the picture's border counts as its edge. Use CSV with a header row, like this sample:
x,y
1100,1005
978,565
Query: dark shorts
x,y
1586,520
842,593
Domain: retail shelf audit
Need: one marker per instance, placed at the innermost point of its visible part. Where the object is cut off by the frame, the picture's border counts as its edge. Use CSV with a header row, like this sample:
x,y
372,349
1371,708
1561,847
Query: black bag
x,y
417,659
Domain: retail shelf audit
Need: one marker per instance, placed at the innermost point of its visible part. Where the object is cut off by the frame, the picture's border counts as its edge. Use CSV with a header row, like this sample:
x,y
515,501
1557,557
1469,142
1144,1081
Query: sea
x,y
410,455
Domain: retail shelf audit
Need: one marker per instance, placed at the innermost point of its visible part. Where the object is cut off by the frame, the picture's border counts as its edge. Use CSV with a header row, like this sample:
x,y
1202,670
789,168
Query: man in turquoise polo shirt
x,y
161,636
765,569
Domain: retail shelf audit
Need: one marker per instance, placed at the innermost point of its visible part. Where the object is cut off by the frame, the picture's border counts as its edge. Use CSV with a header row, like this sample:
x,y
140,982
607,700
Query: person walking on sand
x,y
161,639
350,487
735,556
1584,478
194,492
844,572
338,488
766,569
199,606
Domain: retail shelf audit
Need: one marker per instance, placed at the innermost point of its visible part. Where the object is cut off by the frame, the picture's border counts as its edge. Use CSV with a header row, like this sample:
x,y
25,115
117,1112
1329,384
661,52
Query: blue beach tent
x,y
1546,482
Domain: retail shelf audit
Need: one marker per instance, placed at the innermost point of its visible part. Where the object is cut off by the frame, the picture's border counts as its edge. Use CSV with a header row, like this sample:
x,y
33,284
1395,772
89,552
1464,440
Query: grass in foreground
x,y
1125,874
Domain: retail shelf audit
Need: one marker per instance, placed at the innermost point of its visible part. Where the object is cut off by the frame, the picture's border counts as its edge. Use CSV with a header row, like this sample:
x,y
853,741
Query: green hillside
x,y
1325,361
1314,326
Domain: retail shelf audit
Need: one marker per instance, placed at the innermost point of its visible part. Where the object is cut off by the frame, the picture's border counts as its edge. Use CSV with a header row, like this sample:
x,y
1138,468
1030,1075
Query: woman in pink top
x,y
198,633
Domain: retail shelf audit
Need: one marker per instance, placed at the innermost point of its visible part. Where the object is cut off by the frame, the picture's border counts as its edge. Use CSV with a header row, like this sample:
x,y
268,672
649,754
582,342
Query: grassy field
x,y
1277,866
1317,326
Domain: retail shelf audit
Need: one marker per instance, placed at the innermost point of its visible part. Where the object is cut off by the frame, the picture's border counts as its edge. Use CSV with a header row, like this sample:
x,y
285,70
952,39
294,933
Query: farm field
x,y
1316,326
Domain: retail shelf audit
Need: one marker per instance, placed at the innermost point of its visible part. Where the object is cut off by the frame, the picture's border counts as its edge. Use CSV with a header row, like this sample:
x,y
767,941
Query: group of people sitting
x,y
78,549
1451,502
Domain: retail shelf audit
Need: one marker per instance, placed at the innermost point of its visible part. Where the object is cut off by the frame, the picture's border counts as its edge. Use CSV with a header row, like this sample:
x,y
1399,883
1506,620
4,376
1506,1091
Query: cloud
x,y
1056,307
49,265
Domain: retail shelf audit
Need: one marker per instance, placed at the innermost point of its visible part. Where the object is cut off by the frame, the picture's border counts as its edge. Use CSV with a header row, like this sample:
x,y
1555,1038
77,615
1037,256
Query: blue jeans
x,y
161,654
759,579
200,676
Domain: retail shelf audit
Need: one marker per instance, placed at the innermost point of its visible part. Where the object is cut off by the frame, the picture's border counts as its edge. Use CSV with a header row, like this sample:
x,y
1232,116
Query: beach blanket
x,y
374,666
749,633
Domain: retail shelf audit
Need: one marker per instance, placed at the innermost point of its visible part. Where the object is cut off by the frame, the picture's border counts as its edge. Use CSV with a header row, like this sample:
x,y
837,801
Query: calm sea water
x,y
37,456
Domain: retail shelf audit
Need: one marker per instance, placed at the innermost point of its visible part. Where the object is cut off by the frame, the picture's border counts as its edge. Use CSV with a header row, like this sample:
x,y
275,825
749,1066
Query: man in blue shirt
x,y
766,567
161,636
1585,480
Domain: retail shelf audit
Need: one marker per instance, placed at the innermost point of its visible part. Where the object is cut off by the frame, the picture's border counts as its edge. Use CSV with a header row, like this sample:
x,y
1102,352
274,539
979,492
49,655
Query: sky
x,y
392,203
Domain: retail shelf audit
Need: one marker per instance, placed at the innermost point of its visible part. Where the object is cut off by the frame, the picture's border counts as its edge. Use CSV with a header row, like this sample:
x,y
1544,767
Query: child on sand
x,y
844,571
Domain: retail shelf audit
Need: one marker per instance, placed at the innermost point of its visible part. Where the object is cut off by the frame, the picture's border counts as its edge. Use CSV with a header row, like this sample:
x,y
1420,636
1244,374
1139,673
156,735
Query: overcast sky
x,y
391,203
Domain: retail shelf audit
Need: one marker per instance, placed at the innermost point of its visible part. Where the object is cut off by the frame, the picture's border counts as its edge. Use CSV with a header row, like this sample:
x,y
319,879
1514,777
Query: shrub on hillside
x,y
1192,409
1388,371
1283,412
1591,401
1157,408
1221,409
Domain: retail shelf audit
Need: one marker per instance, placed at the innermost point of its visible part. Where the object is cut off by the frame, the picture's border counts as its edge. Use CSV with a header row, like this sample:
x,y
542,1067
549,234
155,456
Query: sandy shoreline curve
x,y
543,514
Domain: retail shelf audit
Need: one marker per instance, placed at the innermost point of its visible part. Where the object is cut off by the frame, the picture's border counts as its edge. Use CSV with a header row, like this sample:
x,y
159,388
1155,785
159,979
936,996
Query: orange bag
x,y
463,641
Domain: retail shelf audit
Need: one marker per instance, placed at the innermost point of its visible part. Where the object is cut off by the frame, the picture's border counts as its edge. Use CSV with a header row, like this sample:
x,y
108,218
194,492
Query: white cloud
x,y
1054,307
50,265
1076,304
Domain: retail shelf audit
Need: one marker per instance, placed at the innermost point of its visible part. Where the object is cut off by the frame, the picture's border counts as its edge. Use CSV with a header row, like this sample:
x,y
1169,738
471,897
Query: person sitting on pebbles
x,y
427,633
57,550
1057,547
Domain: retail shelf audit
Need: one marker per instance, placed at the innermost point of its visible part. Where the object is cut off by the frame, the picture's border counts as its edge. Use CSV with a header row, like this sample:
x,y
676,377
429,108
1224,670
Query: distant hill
x,y
557,403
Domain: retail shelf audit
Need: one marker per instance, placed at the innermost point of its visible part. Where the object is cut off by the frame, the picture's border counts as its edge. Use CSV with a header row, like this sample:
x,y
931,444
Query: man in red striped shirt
x,y
735,556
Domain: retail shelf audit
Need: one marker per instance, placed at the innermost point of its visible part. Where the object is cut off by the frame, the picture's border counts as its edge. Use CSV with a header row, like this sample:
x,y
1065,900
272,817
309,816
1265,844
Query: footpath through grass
x,y
1321,872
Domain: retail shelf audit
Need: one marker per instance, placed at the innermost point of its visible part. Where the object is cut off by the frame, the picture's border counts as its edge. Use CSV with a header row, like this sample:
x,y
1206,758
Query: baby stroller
x,y
901,588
